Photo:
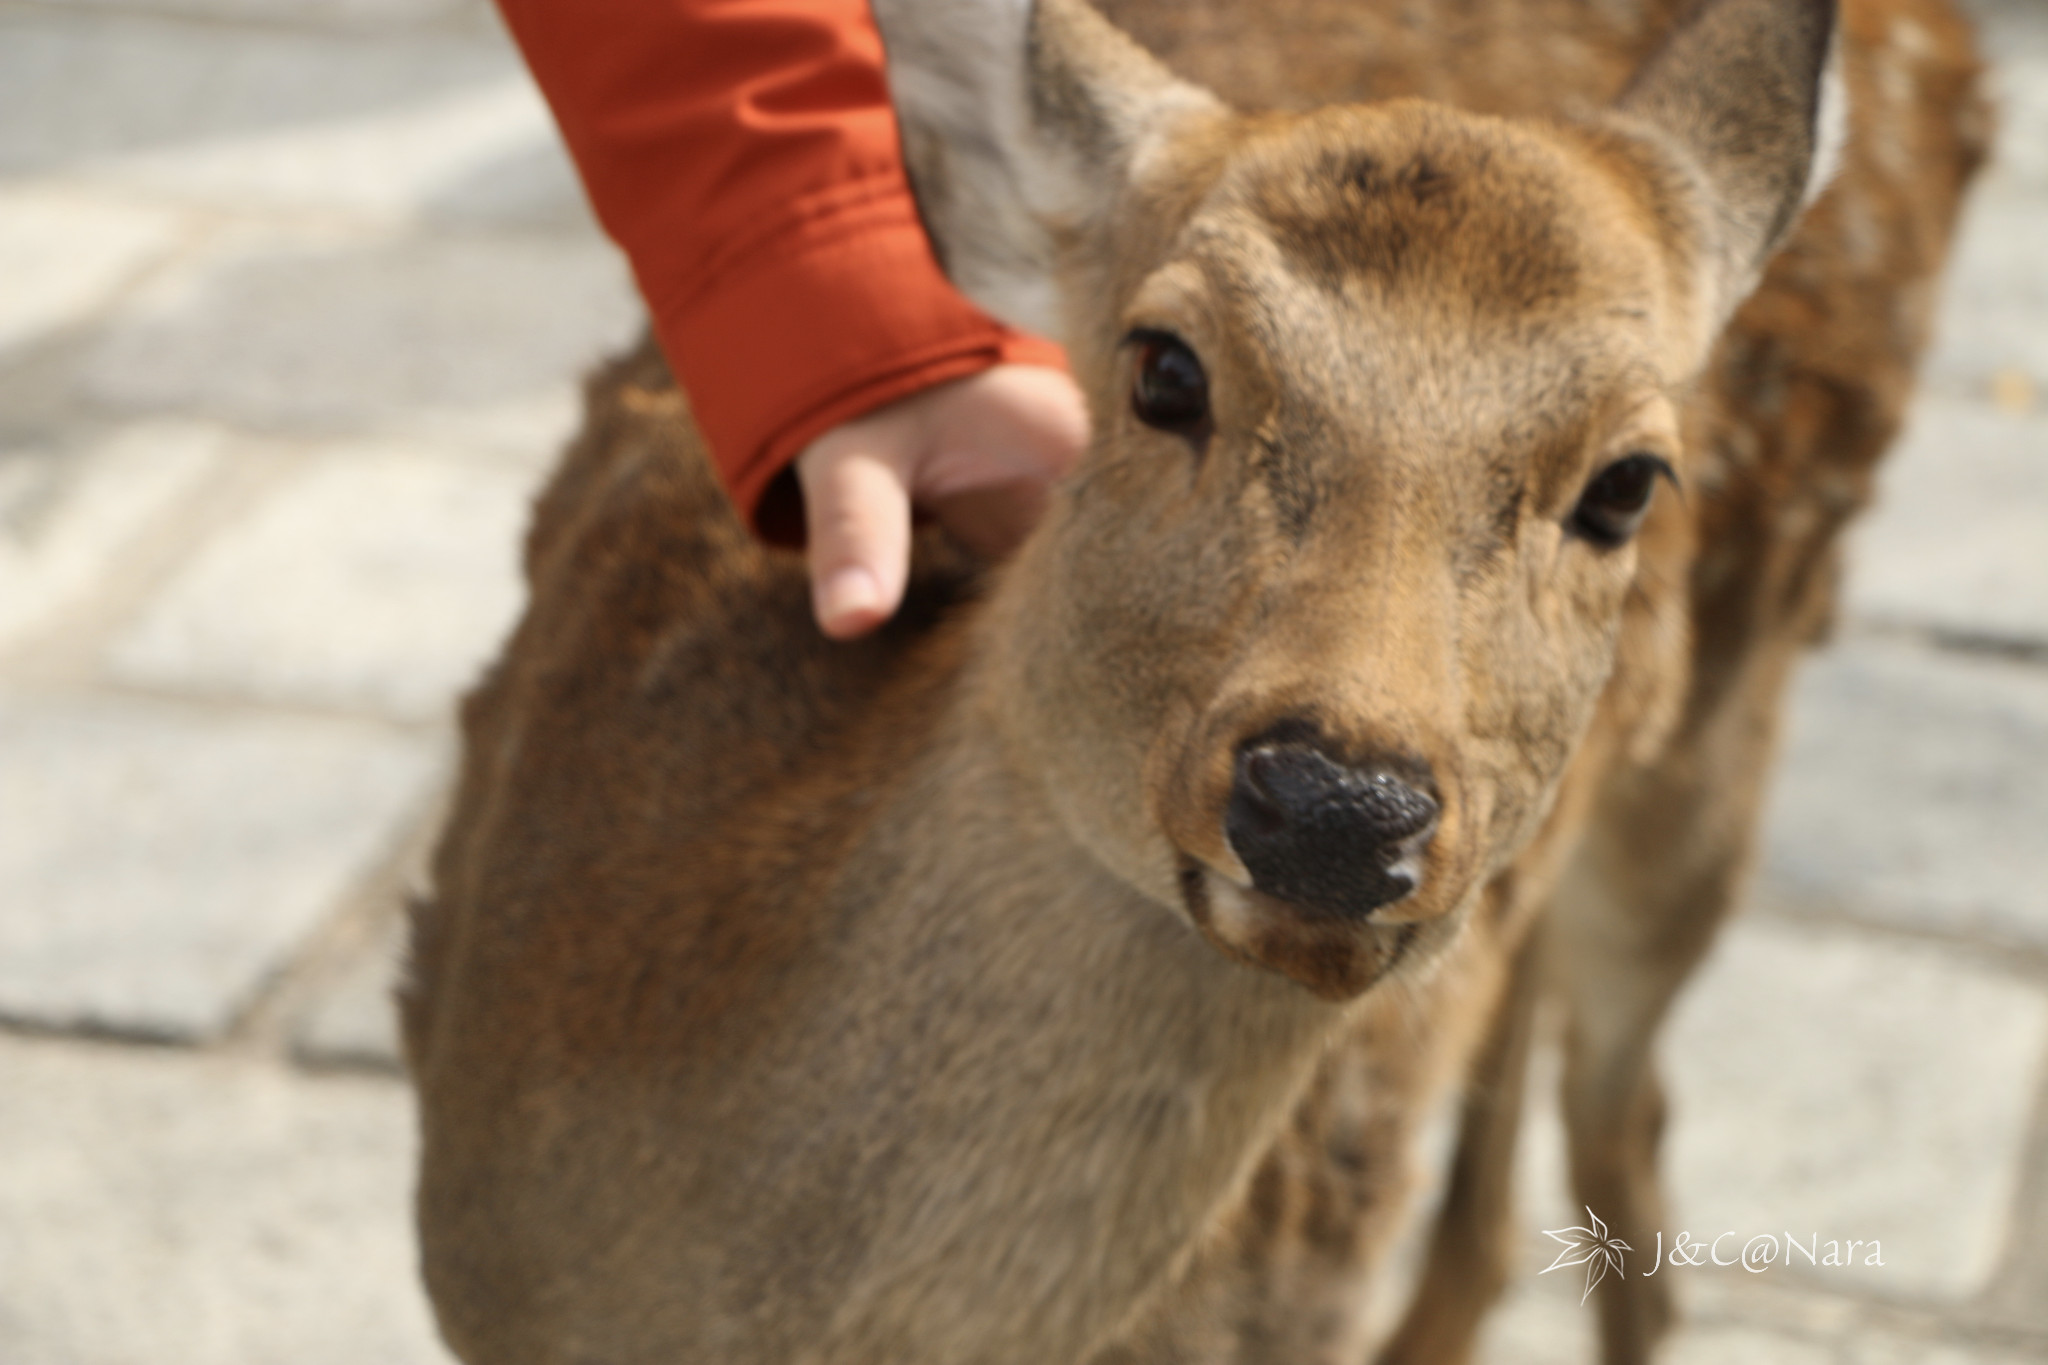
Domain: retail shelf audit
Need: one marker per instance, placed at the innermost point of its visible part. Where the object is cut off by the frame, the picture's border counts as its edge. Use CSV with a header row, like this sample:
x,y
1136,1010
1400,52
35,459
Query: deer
x,y
1064,972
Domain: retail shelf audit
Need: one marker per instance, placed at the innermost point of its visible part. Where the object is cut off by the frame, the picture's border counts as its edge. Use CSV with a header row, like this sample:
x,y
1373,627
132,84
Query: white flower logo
x,y
1590,1247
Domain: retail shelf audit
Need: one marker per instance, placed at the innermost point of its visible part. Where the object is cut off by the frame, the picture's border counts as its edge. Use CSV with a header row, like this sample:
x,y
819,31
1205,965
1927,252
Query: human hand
x,y
977,453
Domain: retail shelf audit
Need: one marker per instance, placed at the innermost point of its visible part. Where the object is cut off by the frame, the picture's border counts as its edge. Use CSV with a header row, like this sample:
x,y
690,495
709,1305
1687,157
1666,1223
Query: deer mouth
x,y
1320,850
1332,953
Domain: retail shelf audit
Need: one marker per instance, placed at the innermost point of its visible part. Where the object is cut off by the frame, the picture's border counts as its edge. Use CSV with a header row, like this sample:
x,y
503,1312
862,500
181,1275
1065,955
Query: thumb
x,y
857,512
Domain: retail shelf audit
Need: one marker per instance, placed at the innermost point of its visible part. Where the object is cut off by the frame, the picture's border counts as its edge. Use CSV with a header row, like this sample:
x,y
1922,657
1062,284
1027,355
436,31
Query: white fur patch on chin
x,y
1232,916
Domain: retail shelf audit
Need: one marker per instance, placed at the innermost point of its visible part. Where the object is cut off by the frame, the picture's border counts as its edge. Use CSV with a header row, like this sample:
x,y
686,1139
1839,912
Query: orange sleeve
x,y
745,156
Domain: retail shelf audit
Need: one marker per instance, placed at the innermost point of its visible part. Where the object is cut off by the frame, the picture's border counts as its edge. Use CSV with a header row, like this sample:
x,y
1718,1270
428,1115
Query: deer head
x,y
1383,396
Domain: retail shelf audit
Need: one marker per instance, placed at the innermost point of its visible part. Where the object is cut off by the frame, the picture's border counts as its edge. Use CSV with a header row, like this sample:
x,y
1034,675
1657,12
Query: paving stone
x,y
63,255
381,579
1542,1322
485,152
79,92
2018,41
1747,1345
2013,35
158,863
1913,791
1534,1326
178,1210
348,14
354,1022
1894,1351
1959,538
1824,1083
65,517
527,433
1995,306
246,121
1994,313
328,331
526,183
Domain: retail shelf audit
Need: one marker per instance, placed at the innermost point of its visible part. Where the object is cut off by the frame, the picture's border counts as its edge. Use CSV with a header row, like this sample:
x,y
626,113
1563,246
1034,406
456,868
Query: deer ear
x,y
1749,93
1023,122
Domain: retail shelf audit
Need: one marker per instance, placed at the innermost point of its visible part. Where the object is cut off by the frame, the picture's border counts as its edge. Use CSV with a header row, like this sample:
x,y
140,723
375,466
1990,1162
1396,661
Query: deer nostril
x,y
1323,834
1304,786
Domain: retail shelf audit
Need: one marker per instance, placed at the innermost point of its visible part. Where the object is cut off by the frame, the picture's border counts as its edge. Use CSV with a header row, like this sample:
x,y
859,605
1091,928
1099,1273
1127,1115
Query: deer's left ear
x,y
1749,94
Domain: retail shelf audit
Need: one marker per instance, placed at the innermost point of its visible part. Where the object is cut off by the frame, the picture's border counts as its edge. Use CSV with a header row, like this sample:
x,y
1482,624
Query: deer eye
x,y
1171,391
1618,498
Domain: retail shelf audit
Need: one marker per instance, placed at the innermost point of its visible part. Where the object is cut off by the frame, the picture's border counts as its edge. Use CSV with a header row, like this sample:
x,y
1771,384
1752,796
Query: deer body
x,y
929,906
989,990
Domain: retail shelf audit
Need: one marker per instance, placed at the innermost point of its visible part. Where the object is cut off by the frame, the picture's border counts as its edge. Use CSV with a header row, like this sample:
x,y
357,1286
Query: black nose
x,y
1334,838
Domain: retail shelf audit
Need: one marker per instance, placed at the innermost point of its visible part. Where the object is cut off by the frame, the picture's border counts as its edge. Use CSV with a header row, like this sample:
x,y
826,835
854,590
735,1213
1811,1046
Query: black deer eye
x,y
1618,498
1171,391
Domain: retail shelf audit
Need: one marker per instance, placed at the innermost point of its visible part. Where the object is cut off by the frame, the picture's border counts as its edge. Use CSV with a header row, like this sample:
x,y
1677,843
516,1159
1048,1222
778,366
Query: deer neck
x,y
1094,1078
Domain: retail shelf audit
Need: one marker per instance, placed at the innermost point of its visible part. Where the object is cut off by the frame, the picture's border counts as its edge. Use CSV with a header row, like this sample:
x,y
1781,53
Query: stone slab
x,y
64,255
67,516
246,120
158,863
332,331
1538,1324
1994,311
81,90
1718,1345
381,579
354,1022
1830,1081
483,153
1913,791
2013,35
177,1210
524,181
1958,541
2020,81
1826,1083
1895,1351
1534,1326
1994,318
376,15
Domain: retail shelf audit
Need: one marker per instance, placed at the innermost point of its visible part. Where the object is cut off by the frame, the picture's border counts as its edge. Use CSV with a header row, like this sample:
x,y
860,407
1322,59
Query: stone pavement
x,y
293,295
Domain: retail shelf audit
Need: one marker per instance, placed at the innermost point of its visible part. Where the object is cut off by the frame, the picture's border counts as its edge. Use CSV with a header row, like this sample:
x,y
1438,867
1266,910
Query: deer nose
x,y
1324,835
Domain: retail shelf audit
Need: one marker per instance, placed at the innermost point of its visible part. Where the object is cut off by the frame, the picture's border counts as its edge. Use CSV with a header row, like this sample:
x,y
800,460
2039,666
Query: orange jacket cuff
x,y
840,309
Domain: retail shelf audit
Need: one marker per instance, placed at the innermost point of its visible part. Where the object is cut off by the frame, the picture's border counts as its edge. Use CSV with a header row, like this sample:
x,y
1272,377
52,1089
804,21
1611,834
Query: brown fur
x,y
903,1001
1806,390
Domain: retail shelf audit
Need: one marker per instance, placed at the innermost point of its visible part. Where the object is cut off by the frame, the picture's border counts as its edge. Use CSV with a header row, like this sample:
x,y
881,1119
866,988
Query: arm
x,y
745,155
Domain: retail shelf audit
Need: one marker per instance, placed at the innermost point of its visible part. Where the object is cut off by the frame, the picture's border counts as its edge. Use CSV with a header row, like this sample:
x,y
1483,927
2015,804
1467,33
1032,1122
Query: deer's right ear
x,y
1749,94
1023,121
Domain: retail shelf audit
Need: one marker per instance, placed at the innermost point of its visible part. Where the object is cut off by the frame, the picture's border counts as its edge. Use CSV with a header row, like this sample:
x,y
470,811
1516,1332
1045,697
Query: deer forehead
x,y
1423,234
1341,377
1415,203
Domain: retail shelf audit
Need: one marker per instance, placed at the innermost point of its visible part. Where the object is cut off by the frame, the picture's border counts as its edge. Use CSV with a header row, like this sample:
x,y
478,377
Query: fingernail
x,y
848,593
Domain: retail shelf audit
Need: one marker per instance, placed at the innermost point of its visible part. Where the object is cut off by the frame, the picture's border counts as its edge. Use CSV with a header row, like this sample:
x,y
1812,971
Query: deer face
x,y
1383,399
